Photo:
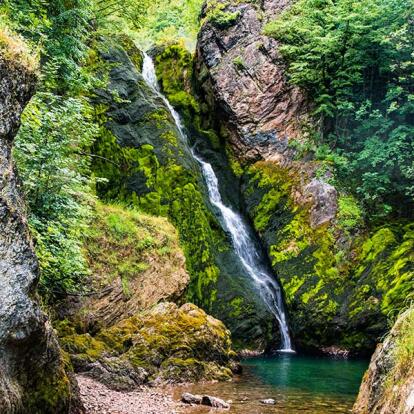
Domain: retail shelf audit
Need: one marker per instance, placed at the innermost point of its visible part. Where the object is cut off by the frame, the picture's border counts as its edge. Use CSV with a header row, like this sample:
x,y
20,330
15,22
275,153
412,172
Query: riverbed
x,y
298,384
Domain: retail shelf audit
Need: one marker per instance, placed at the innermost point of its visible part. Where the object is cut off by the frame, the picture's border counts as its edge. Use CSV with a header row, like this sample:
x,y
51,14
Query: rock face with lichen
x,y
32,377
388,385
341,280
243,76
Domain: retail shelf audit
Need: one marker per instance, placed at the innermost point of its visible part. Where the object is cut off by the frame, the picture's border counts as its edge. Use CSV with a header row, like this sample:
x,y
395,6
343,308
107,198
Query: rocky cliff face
x,y
32,378
340,280
148,164
244,79
388,385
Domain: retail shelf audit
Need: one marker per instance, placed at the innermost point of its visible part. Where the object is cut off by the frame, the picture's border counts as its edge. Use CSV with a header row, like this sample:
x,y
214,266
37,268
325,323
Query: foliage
x,y
355,61
151,22
59,29
349,215
53,143
49,153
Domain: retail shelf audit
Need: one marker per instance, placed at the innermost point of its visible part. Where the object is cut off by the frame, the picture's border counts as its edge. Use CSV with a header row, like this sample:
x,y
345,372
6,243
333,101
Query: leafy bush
x,y
50,155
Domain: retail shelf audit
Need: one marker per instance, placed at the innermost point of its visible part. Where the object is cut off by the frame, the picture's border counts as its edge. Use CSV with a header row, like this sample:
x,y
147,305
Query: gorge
x,y
227,213
246,247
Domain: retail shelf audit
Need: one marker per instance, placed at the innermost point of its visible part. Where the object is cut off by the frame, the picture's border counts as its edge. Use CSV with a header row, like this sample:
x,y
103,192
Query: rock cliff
x,y
148,164
388,385
340,279
32,377
244,79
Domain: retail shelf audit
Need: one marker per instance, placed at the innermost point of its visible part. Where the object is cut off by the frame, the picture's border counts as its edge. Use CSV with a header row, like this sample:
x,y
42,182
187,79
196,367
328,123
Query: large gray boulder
x,y
32,378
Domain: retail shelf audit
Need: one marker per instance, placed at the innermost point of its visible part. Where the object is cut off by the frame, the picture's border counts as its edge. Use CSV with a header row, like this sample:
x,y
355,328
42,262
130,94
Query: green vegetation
x,y
151,22
123,243
355,61
218,16
319,271
53,143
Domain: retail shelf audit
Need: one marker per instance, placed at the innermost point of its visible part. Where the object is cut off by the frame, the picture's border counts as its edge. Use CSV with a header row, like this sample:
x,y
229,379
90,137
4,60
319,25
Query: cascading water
x,y
243,239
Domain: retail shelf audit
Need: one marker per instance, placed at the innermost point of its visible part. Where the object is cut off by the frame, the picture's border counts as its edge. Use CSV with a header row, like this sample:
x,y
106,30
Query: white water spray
x,y
242,237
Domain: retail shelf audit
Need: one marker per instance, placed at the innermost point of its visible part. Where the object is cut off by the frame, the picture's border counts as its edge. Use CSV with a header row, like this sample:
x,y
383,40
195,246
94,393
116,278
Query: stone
x,y
243,76
165,344
214,402
188,398
268,401
323,197
385,390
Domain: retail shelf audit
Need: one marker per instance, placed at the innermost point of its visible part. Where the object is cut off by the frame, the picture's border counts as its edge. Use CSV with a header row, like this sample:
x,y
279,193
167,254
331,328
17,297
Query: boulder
x,y
165,344
188,398
32,376
388,384
214,402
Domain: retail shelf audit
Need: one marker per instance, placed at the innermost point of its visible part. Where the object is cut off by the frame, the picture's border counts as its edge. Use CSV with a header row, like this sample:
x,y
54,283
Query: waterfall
x,y
242,236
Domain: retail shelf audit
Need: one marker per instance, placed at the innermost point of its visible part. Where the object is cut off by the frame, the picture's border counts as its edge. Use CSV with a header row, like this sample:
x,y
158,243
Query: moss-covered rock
x,y
388,385
135,261
341,285
148,164
166,343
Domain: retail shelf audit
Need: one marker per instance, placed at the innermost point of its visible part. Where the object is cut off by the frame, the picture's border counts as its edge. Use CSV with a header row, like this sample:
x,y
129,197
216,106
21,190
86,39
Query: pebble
x,y
268,401
98,399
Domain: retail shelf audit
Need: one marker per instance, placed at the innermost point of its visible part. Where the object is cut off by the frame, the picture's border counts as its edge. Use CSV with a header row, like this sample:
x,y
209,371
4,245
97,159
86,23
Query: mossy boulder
x,y
166,343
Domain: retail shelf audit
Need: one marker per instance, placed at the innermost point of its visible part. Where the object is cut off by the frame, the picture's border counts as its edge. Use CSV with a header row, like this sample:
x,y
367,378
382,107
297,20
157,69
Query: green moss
x,y
177,344
239,63
174,66
219,17
349,214
328,276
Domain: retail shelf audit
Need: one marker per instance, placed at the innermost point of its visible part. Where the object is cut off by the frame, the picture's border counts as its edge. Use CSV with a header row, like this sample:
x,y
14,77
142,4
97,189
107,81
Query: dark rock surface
x,y
32,378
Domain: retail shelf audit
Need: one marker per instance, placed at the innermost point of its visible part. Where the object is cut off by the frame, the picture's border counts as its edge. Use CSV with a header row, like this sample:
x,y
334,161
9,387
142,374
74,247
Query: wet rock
x,y
188,398
214,402
32,378
268,401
